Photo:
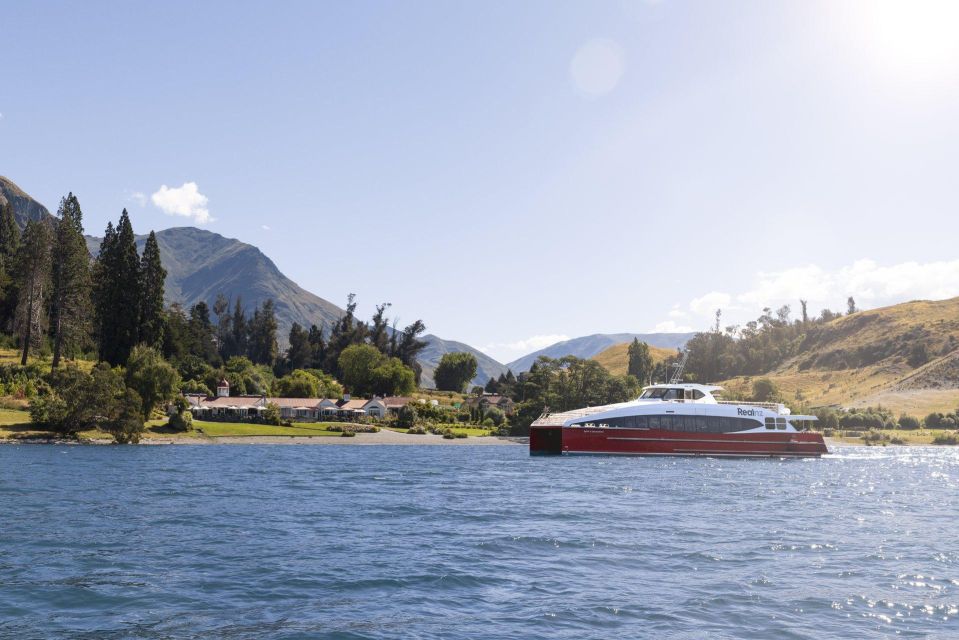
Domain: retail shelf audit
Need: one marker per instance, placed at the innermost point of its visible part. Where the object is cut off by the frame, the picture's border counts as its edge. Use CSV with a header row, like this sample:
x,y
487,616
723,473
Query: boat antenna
x,y
680,367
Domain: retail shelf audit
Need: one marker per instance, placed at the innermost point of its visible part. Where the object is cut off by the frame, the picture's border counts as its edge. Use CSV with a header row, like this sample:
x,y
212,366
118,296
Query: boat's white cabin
x,y
686,392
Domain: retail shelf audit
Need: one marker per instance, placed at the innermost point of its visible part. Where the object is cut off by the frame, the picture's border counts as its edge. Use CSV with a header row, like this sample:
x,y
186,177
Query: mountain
x,y
24,207
904,357
615,359
486,367
201,264
589,346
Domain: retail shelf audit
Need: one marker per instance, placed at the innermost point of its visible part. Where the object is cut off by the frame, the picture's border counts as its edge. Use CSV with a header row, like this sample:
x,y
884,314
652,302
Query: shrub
x,y
488,423
348,434
908,422
946,438
419,431
897,441
180,421
496,416
765,390
272,414
461,434
448,435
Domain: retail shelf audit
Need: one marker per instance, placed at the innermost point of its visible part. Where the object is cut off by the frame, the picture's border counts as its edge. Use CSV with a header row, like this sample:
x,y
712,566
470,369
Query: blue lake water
x,y
471,542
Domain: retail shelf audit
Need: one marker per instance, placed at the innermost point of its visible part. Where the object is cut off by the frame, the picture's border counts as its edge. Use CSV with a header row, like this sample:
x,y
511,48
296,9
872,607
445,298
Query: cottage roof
x,y
396,402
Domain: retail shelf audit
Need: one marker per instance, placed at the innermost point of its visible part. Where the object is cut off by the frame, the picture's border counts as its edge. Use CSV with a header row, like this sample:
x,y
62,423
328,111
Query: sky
x,y
513,173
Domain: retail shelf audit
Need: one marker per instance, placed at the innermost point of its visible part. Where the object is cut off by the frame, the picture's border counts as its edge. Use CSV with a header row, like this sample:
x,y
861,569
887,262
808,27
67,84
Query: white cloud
x,y
677,313
670,326
871,284
597,67
504,351
139,197
186,201
265,227
706,305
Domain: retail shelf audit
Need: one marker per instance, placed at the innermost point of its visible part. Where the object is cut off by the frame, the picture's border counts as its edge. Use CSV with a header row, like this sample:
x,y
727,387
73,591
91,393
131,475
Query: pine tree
x,y
117,293
152,279
263,347
299,355
33,278
202,335
70,300
240,332
9,244
317,347
103,293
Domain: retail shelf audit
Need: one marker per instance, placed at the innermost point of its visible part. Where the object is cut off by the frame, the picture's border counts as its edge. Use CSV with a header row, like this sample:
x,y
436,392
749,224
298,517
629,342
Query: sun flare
x,y
919,37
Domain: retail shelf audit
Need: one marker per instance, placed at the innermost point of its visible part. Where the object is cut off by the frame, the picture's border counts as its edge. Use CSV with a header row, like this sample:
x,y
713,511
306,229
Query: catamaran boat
x,y
678,419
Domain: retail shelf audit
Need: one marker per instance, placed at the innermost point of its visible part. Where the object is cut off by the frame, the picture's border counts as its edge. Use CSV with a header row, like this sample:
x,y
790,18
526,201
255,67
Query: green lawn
x,y
15,423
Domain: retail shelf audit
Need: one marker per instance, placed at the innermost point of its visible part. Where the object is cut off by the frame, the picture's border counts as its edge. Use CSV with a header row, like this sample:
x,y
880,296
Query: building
x,y
488,400
226,407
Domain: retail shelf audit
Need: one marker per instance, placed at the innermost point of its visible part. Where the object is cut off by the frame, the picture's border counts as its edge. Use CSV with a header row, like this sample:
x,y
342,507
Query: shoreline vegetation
x,y
16,428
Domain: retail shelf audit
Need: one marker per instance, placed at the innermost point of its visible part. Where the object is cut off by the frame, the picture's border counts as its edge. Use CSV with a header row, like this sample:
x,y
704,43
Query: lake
x,y
471,542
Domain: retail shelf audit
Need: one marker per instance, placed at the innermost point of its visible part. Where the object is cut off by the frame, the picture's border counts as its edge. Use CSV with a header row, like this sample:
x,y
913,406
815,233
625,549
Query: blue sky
x,y
513,172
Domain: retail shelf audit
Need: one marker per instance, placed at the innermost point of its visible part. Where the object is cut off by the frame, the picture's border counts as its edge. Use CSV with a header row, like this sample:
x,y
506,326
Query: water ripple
x,y
465,542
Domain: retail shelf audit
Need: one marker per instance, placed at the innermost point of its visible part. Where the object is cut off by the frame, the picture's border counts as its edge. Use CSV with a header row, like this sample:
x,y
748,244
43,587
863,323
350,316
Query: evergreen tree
x,y
152,279
9,245
317,348
379,331
70,301
300,354
117,295
103,292
263,347
202,335
640,361
33,279
409,346
239,332
851,306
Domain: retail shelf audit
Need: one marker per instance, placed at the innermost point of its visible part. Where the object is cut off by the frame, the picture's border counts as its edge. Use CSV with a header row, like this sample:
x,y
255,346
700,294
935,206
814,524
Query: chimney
x,y
346,396
223,389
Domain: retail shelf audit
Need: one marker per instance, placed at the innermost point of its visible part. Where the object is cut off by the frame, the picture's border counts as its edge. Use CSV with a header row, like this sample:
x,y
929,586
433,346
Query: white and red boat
x,y
678,419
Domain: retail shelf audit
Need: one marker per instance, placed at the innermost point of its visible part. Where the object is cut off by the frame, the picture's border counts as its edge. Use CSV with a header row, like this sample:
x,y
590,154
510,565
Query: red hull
x,y
652,442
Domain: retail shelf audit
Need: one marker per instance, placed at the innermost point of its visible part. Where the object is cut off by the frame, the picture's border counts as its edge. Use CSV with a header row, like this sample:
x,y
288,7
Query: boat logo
x,y
749,412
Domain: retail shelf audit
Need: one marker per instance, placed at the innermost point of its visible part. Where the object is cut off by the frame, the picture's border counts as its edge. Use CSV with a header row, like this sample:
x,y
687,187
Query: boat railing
x,y
772,406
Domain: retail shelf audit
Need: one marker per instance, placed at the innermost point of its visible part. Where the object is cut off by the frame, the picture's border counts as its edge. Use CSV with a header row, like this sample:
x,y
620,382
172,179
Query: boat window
x,y
673,394
770,423
697,394
655,422
780,423
653,393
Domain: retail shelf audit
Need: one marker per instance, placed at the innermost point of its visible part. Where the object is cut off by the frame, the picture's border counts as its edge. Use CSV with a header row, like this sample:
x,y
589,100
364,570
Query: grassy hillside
x,y
904,357
615,359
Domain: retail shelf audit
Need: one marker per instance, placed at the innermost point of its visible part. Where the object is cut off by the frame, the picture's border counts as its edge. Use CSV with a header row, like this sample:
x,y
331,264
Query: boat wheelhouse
x,y
678,419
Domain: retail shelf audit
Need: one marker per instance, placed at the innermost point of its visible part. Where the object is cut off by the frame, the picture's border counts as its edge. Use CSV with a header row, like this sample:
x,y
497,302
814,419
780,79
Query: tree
x,y
271,414
9,246
851,306
392,378
70,300
298,384
33,278
409,346
262,346
454,371
765,390
300,353
151,377
127,426
357,363
202,335
805,312
117,292
640,363
152,279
